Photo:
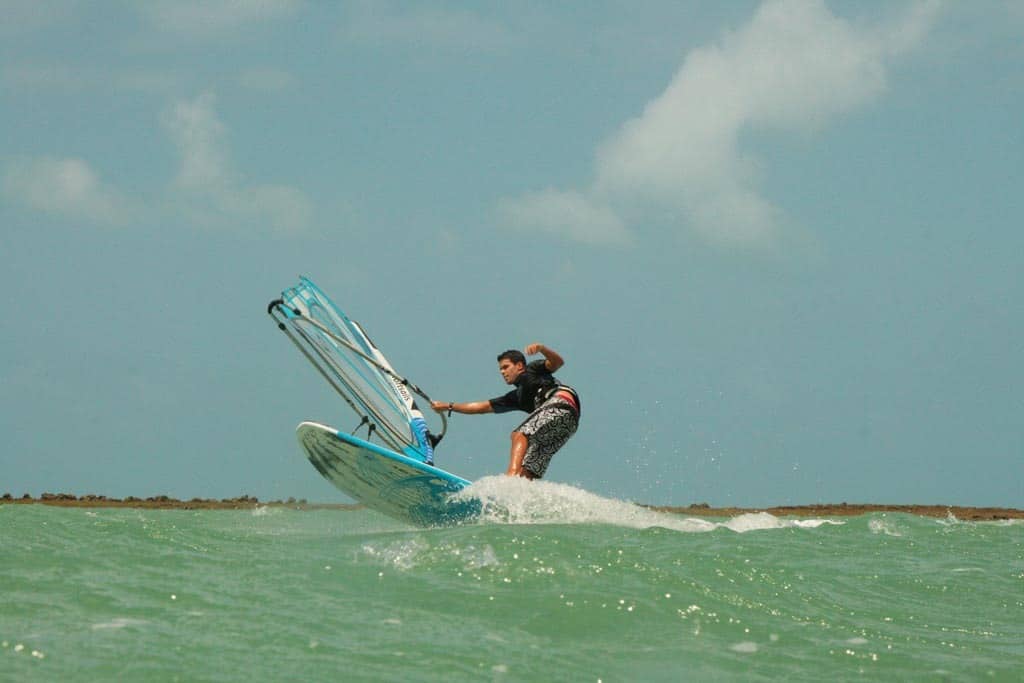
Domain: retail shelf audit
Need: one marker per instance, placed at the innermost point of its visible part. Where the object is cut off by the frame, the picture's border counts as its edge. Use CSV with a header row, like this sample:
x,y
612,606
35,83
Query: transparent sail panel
x,y
348,354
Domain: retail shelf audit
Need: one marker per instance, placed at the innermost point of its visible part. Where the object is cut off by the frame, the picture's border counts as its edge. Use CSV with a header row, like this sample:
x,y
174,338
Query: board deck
x,y
385,481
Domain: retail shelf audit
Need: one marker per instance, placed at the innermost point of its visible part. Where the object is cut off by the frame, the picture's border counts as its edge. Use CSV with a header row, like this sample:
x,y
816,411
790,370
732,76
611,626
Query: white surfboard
x,y
383,480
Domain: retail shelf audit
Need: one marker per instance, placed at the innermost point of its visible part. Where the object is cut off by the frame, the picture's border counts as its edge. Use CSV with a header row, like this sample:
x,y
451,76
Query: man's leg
x,y
515,463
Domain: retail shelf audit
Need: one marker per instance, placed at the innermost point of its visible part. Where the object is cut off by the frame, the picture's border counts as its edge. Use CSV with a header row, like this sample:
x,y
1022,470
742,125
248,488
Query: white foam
x,y
407,554
950,520
746,647
813,523
754,521
513,500
761,521
402,555
881,526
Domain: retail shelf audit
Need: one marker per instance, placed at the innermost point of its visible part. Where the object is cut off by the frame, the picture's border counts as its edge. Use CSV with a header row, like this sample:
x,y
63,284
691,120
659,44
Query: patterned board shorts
x,y
547,429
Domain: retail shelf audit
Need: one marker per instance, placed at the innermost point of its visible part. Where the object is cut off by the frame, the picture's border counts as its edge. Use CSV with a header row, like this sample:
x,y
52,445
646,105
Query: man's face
x,y
510,371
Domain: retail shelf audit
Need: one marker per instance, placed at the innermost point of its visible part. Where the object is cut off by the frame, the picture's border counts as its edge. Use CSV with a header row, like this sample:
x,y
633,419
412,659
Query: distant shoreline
x,y
700,510
168,503
965,513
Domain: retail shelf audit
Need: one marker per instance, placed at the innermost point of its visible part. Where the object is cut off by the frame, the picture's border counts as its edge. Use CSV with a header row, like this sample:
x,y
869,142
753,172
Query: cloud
x,y
64,187
207,189
208,18
198,135
213,193
568,213
794,66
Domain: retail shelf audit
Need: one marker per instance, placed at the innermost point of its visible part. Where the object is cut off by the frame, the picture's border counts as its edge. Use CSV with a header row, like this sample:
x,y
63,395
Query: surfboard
x,y
381,479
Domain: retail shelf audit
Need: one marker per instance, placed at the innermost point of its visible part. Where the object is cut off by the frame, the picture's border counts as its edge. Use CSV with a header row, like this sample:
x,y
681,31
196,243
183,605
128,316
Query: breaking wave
x,y
513,500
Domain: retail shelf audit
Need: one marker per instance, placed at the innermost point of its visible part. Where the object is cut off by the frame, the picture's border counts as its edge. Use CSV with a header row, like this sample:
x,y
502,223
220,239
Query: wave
x,y
513,500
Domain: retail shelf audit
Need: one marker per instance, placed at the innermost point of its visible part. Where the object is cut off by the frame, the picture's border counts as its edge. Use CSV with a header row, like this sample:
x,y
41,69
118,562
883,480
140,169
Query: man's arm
x,y
552,361
471,408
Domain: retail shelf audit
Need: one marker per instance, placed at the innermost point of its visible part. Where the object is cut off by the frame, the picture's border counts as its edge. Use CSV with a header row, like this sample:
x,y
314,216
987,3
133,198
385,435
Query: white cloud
x,y
198,135
64,187
567,213
207,188
214,194
206,18
794,66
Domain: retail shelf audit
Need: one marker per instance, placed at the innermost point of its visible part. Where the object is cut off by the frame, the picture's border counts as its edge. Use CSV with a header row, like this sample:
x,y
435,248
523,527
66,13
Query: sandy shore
x,y
853,510
701,510
167,503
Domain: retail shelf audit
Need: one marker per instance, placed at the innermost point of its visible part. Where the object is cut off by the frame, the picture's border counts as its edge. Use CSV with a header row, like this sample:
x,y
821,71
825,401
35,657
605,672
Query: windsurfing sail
x,y
341,350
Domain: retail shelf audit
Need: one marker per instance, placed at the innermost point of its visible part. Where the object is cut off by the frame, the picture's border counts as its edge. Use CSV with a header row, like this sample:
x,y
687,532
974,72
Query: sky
x,y
778,243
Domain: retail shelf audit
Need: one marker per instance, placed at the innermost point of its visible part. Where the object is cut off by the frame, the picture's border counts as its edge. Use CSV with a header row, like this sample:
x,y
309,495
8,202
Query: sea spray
x,y
514,500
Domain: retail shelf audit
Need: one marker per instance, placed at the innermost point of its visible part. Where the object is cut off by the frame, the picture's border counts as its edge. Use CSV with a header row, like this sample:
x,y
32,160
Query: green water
x,y
615,595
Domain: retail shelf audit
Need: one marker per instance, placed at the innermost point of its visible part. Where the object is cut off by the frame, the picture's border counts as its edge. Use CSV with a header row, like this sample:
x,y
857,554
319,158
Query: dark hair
x,y
512,355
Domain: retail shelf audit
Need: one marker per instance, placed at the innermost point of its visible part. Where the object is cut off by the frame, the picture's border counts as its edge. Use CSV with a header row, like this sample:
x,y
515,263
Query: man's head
x,y
511,364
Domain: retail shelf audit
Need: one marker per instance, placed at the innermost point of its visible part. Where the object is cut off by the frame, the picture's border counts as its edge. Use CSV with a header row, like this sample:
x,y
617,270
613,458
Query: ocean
x,y
554,584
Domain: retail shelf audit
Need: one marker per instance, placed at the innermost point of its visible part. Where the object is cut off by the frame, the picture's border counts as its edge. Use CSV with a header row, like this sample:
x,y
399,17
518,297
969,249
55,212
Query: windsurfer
x,y
553,407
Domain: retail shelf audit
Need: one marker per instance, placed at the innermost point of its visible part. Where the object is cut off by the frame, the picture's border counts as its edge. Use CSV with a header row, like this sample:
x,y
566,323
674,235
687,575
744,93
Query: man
x,y
554,409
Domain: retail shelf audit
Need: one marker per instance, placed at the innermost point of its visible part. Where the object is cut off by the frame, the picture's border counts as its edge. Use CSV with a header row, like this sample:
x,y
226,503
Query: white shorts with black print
x,y
546,430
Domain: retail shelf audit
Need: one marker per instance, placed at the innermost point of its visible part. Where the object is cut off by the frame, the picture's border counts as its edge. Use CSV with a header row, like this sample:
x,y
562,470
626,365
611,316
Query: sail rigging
x,y
344,355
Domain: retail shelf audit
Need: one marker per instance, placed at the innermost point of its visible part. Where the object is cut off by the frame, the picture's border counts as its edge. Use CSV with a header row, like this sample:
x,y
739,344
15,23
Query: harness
x,y
572,397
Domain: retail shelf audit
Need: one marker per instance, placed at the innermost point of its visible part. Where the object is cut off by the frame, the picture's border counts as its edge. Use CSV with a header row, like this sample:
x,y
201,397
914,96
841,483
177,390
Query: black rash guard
x,y
532,388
